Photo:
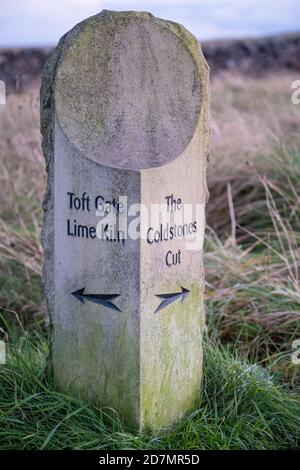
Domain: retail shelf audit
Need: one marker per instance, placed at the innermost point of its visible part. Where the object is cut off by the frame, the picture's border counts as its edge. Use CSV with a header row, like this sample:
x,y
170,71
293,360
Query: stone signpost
x,y
124,117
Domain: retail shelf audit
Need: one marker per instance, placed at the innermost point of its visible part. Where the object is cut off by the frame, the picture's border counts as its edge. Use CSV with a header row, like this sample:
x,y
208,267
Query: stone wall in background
x,y
19,68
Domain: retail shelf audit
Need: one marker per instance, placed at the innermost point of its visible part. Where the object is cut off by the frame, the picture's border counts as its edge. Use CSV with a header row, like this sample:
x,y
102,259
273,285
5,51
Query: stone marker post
x,y
124,118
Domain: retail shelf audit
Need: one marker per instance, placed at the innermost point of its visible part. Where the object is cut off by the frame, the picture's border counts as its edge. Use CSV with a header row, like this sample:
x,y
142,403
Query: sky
x,y
43,22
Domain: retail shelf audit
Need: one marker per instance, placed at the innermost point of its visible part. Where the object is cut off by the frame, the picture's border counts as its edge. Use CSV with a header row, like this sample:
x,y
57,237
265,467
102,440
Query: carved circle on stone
x,y
128,91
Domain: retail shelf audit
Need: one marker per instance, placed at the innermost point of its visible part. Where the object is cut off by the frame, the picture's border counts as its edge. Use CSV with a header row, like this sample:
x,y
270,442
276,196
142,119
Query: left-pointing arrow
x,y
103,299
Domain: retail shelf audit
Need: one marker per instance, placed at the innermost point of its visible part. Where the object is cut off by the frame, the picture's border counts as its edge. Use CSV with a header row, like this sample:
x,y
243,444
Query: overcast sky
x,y
42,22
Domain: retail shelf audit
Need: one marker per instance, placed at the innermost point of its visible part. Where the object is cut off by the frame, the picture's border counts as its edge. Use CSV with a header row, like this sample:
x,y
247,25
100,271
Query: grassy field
x,y
251,389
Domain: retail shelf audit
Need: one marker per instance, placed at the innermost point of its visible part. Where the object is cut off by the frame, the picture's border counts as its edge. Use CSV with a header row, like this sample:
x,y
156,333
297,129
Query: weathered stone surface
x,y
124,112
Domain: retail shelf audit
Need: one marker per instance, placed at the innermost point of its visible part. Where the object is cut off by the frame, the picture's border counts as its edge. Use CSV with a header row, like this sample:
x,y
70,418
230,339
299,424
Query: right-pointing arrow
x,y
170,298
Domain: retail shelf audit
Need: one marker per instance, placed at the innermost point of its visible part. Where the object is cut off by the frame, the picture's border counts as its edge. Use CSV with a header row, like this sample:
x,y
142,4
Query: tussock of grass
x,y
22,181
241,409
253,290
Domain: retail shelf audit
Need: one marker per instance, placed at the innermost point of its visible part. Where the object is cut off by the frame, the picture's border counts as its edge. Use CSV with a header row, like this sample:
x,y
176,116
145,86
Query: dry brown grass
x,y
22,180
251,118
253,121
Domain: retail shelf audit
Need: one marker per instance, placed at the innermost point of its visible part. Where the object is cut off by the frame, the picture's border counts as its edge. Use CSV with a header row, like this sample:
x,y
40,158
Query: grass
x,y
241,408
252,259
253,270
